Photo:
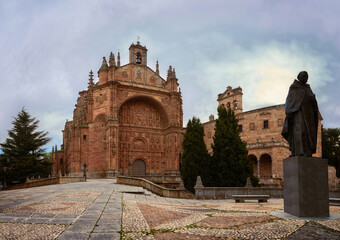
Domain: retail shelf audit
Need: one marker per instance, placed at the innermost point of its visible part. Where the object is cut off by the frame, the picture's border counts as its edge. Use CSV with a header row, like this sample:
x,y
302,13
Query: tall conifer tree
x,y
331,147
230,165
23,148
195,158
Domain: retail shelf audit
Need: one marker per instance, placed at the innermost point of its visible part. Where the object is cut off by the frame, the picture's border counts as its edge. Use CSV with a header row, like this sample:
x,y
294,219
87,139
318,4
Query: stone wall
x,y
44,182
227,192
152,187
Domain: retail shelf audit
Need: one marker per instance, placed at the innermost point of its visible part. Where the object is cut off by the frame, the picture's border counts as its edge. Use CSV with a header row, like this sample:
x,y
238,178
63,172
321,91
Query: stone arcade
x,y
129,122
261,129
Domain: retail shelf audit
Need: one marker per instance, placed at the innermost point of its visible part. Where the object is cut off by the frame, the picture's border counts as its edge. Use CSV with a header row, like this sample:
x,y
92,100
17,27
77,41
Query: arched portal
x,y
253,159
143,111
265,166
138,168
142,121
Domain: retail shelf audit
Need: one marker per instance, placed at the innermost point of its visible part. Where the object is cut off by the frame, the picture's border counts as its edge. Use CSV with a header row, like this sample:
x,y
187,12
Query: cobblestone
x,y
100,209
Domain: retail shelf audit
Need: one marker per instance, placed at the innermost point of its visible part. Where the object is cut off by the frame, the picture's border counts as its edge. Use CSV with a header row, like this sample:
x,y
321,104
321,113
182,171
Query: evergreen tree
x,y
230,164
331,147
195,155
23,148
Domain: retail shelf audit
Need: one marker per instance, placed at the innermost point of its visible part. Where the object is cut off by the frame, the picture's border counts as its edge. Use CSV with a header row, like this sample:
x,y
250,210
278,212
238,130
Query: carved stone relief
x,y
122,95
101,98
139,114
125,74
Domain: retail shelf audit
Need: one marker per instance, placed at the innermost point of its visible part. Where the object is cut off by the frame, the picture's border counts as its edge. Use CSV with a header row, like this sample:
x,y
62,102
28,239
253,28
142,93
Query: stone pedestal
x,y
306,187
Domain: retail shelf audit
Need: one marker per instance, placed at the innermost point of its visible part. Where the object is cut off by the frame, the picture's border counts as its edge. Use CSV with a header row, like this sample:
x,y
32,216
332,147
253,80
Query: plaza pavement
x,y
102,209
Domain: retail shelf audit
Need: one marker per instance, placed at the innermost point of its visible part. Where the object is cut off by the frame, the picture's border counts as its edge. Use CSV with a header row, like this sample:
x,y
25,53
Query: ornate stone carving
x,y
139,74
264,113
122,95
101,98
125,74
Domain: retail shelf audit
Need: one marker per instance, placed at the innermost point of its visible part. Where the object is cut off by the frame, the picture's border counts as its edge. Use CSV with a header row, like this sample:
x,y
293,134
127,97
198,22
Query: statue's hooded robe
x,y
301,124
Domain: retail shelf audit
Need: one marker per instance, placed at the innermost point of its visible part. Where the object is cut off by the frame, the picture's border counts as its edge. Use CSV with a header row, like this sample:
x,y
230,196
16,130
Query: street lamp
x,y
129,168
85,165
5,169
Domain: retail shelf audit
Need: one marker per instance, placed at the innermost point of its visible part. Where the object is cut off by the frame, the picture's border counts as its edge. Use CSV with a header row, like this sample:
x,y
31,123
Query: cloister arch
x,y
265,166
253,159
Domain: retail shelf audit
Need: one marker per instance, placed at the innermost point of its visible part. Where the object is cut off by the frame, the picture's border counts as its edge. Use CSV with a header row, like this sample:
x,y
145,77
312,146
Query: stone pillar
x,y
306,187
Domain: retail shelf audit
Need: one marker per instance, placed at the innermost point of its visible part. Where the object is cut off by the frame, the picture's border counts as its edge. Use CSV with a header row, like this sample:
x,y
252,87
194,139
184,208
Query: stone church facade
x,y
261,130
130,122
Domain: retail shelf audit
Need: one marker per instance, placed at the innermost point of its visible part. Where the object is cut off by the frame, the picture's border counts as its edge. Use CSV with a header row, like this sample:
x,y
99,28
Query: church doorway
x,y
138,168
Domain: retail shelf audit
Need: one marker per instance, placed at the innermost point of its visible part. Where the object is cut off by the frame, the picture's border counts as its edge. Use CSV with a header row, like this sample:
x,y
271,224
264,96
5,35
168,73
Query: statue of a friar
x,y
301,123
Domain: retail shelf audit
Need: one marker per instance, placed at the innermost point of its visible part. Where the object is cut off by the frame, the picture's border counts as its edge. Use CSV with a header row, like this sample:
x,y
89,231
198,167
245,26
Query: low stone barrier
x,y
202,192
334,193
228,192
46,181
152,187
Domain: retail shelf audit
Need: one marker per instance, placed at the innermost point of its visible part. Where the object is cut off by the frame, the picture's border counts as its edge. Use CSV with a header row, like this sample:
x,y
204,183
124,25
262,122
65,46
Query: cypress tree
x,y
331,147
23,148
195,155
230,165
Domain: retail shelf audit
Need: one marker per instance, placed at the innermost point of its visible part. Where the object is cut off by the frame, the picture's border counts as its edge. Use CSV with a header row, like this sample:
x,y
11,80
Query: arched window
x,y
228,105
138,58
235,104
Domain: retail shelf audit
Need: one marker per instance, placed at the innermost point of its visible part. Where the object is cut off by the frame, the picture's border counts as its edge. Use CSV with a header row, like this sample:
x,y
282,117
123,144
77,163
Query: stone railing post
x,y
199,188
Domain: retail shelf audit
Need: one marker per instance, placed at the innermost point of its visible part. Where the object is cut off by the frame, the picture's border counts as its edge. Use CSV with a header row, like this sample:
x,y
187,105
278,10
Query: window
x,y
228,105
280,122
265,124
252,126
235,104
138,58
240,128
61,161
84,137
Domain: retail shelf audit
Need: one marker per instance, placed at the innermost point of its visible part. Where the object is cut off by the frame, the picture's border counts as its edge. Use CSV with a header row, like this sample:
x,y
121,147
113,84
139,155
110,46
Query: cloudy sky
x,y
47,49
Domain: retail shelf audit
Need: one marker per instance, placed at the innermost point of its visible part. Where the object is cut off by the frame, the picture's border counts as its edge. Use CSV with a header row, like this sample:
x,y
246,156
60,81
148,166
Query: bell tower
x,y
231,98
138,54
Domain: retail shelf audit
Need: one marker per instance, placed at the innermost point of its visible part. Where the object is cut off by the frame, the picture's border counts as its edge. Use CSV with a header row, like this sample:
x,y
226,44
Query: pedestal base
x,y
306,187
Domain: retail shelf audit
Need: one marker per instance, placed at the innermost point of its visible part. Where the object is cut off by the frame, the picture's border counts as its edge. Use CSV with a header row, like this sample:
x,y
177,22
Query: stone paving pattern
x,y
102,209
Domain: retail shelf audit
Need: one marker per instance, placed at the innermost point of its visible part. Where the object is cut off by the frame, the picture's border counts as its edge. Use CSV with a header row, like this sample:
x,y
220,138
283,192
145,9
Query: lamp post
x,y
85,165
5,169
129,168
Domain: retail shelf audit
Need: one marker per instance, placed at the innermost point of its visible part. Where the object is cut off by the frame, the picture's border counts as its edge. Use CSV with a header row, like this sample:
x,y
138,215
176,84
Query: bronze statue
x,y
301,123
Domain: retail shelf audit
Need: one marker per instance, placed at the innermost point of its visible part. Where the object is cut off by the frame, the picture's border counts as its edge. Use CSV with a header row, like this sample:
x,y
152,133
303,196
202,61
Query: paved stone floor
x,y
101,209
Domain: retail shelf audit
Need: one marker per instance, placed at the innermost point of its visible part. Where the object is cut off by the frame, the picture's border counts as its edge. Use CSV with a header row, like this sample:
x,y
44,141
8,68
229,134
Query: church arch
x,y
265,166
139,168
253,159
144,111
